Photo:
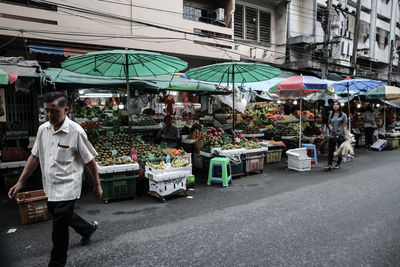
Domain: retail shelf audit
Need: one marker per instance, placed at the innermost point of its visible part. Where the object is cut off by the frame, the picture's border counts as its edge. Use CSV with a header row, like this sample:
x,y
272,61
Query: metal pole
x,y
327,38
348,106
129,102
355,37
384,116
301,111
233,97
390,62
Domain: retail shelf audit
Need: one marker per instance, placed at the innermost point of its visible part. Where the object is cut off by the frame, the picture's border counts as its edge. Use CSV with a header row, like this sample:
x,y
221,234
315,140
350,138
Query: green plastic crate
x,y
119,187
117,174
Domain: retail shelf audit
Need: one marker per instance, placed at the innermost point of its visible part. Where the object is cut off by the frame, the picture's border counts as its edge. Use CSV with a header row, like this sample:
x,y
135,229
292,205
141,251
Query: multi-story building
x,y
379,25
199,31
282,32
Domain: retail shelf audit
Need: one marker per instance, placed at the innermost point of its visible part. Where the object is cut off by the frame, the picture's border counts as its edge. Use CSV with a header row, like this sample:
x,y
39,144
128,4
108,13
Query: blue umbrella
x,y
355,86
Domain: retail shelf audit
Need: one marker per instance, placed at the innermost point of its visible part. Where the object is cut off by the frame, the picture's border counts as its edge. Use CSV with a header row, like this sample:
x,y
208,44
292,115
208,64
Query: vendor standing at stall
x,y
169,133
369,125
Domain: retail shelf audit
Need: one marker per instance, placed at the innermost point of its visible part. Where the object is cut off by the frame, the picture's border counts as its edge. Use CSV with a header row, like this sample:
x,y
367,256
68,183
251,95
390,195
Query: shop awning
x,y
20,66
72,80
57,50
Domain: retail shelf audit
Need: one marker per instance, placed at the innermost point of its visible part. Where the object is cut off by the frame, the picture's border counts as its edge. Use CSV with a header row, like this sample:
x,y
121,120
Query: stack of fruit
x,y
240,136
212,142
230,147
251,145
176,163
143,150
88,124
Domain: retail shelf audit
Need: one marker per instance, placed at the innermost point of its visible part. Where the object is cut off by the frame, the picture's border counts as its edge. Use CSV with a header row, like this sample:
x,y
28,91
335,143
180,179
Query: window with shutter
x,y
251,24
239,21
265,27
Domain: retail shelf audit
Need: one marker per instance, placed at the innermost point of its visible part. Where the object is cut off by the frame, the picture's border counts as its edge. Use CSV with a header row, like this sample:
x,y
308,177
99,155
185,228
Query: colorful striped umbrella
x,y
7,78
298,86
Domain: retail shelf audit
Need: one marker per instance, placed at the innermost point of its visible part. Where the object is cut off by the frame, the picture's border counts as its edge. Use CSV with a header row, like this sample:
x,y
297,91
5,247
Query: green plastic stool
x,y
220,171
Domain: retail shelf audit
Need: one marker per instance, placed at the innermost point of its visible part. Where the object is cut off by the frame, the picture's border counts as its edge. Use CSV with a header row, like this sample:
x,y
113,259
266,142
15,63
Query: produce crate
x,y
33,207
393,142
167,174
273,156
119,187
237,169
254,162
166,188
299,164
117,174
298,159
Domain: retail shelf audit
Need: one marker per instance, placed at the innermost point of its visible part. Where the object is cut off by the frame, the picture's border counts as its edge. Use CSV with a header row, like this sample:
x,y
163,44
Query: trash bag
x,y
235,160
346,151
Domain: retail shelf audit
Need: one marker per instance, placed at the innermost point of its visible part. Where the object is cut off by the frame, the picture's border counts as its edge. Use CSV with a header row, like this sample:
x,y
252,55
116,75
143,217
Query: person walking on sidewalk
x,y
62,150
338,132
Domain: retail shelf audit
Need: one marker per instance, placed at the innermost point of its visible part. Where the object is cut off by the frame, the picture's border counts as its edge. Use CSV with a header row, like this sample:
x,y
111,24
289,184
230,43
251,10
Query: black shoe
x,y
86,240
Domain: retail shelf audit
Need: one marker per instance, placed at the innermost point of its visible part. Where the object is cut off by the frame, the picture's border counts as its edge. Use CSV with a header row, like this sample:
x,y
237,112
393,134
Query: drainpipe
x,y
287,56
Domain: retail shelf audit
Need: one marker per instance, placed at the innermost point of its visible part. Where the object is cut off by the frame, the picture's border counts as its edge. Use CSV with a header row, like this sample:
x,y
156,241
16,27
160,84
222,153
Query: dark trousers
x,y
63,217
332,146
369,136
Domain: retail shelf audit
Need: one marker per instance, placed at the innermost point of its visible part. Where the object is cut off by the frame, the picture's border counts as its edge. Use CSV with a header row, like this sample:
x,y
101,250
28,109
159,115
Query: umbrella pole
x,y
301,107
384,116
233,97
348,107
128,87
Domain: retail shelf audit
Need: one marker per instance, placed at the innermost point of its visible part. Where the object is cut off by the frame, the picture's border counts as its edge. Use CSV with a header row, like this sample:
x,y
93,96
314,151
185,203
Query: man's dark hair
x,y
52,96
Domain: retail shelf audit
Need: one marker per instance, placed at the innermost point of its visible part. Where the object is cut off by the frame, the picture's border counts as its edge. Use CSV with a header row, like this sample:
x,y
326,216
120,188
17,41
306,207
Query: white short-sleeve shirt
x,y
62,155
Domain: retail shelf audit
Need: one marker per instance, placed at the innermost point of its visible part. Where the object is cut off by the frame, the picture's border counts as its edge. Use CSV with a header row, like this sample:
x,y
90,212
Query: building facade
x,y
379,26
199,31
282,32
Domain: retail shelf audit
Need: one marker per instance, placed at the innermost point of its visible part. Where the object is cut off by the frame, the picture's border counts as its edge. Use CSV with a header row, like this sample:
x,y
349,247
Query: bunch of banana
x,y
178,163
160,166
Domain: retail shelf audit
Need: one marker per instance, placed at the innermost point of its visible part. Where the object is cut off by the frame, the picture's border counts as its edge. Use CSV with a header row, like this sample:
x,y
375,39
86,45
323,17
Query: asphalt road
x,y
346,217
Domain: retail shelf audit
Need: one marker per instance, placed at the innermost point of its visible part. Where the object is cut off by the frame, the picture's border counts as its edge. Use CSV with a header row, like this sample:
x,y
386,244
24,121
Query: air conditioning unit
x,y
219,14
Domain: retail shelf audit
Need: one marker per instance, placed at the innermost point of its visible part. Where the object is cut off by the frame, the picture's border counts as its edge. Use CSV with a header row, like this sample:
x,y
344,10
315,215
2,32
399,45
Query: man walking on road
x,y
62,150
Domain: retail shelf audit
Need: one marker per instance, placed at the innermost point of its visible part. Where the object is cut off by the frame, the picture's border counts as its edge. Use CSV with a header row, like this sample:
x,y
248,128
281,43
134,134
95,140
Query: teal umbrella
x,y
234,72
125,64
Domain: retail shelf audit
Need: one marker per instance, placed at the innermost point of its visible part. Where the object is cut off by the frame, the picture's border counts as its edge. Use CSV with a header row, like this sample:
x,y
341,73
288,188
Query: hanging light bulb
x,y
378,105
295,102
342,104
278,101
359,105
81,92
121,106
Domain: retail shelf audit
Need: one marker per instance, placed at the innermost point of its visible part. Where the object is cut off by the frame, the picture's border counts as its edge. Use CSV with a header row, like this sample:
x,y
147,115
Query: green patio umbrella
x,y
384,92
234,72
125,64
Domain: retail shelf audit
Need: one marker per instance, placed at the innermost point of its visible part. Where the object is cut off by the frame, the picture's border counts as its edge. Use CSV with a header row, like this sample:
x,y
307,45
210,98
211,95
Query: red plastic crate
x,y
33,207
255,162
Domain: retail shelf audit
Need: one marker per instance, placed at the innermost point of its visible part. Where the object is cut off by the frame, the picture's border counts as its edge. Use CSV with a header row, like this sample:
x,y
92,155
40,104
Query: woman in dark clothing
x,y
338,132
